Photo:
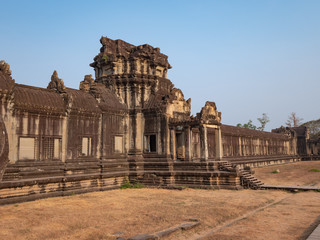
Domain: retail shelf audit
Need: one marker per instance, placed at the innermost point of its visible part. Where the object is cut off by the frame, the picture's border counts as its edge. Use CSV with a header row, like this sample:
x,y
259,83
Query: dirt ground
x,y
289,219
293,174
129,212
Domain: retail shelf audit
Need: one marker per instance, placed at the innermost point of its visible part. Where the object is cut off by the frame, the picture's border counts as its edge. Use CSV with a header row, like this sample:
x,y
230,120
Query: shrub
x,y
314,170
105,58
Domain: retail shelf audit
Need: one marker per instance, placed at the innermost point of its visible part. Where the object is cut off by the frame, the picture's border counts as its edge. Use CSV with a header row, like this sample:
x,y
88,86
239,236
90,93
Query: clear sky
x,y
250,57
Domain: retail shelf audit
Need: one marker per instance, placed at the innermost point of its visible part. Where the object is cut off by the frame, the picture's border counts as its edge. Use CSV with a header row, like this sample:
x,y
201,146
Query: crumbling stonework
x,y
128,124
56,83
4,149
307,148
6,86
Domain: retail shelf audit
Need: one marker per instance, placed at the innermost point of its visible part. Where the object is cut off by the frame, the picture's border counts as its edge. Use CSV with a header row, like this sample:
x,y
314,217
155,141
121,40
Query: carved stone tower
x,y
133,73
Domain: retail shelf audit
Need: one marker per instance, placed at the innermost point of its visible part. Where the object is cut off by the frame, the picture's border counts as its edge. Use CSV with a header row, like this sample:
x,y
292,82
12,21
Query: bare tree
x,y
263,121
293,120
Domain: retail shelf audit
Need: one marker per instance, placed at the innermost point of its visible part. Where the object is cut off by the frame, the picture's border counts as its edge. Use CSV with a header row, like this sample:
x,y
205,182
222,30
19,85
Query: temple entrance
x,y
151,143
211,137
180,146
195,144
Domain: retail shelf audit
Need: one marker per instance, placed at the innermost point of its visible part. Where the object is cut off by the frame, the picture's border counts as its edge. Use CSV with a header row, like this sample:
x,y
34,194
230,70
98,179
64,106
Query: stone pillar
x,y
205,144
11,124
167,151
132,133
173,144
126,120
64,138
159,135
219,150
188,143
136,133
4,148
99,145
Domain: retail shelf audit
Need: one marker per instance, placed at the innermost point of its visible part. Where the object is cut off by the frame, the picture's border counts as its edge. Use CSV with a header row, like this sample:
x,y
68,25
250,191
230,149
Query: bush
x,y
314,170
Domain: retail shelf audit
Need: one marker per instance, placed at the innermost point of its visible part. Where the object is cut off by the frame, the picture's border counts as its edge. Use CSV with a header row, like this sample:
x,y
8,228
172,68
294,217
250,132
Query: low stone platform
x,y
291,188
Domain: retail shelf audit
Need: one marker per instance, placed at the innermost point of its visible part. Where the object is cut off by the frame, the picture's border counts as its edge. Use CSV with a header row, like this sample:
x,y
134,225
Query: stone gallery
x,y
128,123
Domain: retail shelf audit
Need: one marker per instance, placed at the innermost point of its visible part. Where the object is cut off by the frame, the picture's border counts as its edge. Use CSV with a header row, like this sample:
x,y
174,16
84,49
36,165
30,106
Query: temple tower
x,y
133,73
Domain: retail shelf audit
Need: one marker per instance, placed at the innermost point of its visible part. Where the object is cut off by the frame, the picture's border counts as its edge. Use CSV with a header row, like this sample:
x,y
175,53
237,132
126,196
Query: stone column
x,y
126,120
188,143
132,133
173,144
159,130
136,133
205,143
167,151
219,150
64,138
4,150
99,145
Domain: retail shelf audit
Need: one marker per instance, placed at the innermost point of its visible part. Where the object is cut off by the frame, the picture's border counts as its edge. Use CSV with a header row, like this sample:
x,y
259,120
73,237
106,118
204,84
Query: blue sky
x,y
250,57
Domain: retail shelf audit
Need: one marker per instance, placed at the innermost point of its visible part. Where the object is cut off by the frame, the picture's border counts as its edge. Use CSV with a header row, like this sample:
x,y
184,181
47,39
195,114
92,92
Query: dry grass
x,y
131,211
293,174
134,211
287,220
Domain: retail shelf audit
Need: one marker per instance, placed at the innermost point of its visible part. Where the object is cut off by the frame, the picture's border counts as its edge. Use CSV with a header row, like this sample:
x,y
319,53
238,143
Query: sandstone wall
x,y
243,146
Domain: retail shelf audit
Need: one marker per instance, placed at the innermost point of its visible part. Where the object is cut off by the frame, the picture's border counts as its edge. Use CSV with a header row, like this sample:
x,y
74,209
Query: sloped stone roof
x,y
37,99
156,100
107,100
237,131
82,102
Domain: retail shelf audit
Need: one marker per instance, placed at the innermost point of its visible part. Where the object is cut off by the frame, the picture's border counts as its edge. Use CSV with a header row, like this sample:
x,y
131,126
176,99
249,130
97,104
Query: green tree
x,y
247,125
263,121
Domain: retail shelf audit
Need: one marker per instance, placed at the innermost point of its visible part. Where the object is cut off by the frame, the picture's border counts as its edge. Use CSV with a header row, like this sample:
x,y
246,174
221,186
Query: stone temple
x,y
128,123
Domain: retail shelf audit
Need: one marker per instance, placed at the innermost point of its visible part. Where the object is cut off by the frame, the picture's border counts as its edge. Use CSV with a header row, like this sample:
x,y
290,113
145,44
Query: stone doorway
x,y
180,145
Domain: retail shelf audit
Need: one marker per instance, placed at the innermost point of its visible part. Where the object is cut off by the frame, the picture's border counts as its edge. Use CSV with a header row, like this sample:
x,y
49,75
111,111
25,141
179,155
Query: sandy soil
x,y
130,212
288,219
293,174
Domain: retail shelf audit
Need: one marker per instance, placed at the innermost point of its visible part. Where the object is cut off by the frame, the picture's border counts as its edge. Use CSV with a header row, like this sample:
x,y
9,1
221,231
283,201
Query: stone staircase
x,y
246,178
226,166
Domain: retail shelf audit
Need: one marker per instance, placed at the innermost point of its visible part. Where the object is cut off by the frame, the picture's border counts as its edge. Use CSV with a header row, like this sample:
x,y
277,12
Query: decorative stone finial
x,y
209,112
5,67
56,83
87,83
